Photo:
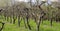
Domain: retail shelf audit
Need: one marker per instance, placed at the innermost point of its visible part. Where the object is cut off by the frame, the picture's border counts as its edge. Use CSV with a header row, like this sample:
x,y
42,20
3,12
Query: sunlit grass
x,y
45,26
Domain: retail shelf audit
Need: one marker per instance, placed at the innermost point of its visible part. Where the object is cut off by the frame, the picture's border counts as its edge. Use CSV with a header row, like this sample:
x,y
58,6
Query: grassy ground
x,y
45,26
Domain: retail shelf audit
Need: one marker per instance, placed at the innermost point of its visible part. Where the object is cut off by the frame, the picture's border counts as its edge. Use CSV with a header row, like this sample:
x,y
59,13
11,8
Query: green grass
x,y
45,26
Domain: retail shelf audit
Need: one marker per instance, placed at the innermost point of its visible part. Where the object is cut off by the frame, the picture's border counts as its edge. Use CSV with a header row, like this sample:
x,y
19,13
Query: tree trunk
x,y
7,18
2,26
10,19
14,20
38,25
25,22
19,21
51,22
28,23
